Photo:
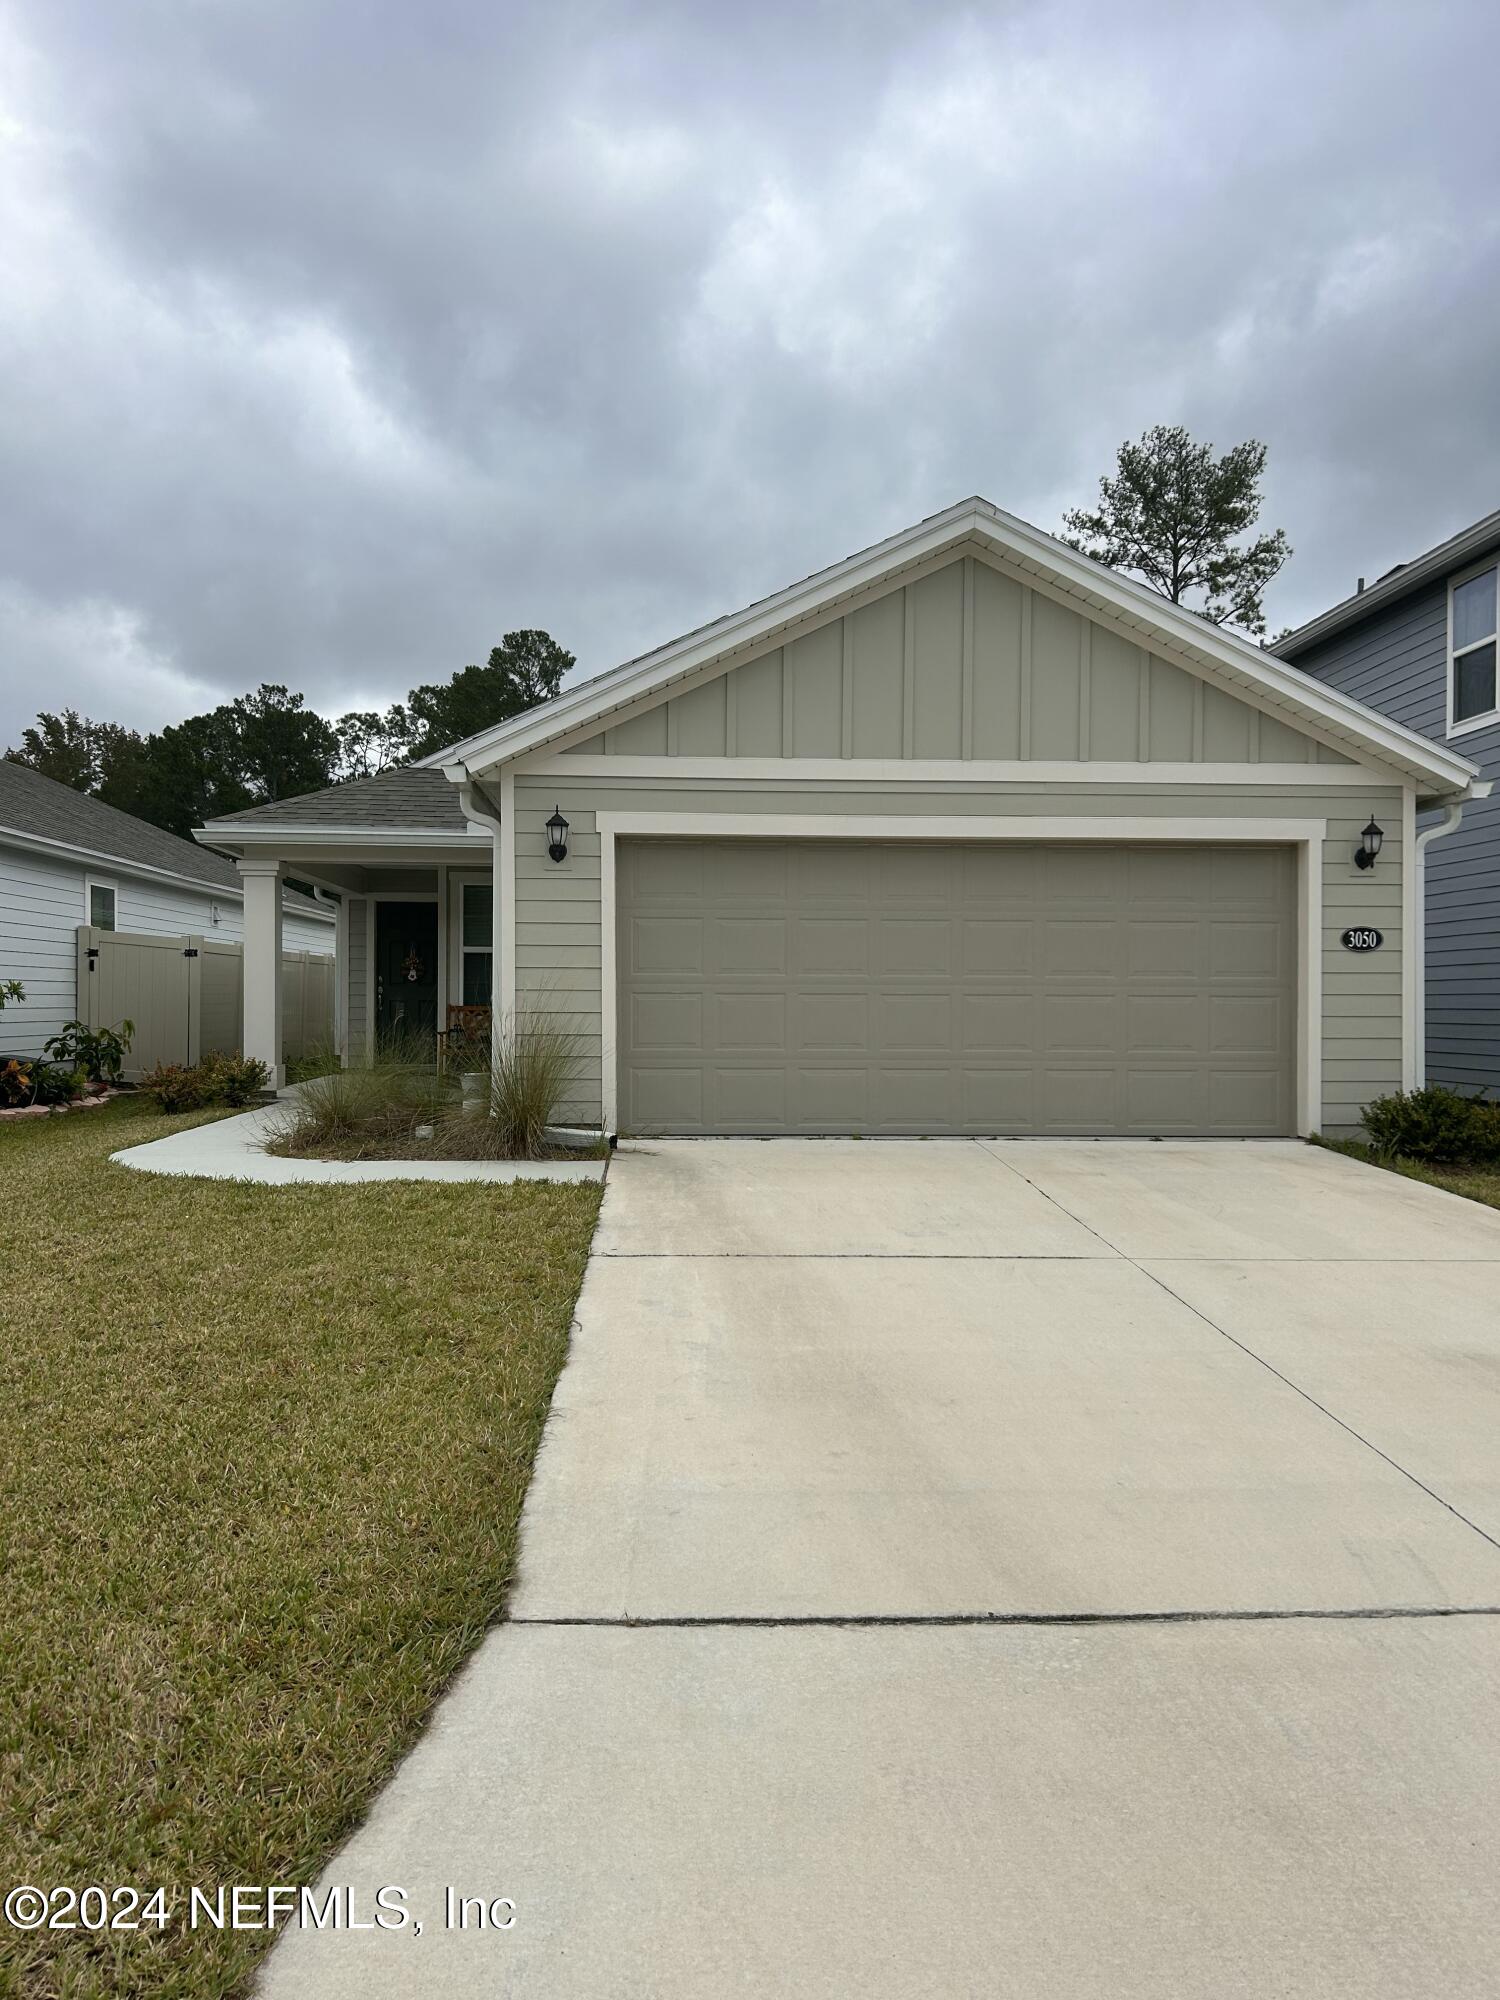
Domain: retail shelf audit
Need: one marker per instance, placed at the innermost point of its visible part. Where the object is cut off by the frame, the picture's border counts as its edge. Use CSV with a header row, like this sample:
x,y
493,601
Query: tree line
x,y
271,745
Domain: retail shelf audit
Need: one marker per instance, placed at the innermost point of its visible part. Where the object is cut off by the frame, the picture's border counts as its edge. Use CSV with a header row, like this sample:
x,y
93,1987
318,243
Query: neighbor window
x,y
476,944
1474,635
102,905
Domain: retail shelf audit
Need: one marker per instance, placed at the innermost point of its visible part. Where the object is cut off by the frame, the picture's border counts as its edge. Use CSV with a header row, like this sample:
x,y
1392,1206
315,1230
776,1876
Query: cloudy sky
x,y
337,339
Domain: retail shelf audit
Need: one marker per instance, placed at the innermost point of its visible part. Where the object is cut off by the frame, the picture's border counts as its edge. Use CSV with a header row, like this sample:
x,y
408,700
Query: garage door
x,y
870,987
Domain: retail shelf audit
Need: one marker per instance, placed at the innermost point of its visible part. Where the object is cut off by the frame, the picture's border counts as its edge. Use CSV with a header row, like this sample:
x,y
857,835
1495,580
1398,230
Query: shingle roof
x,y
1468,545
41,807
404,798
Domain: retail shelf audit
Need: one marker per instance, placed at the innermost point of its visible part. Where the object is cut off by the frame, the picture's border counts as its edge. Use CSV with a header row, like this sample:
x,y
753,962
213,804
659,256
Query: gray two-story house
x,y
1421,644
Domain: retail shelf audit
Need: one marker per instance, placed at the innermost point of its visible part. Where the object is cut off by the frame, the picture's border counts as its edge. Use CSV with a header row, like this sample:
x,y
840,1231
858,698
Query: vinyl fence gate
x,y
185,995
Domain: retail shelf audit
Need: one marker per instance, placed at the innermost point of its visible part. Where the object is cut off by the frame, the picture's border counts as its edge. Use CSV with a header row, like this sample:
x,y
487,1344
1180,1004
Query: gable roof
x,y
40,809
1167,629
1467,546
412,798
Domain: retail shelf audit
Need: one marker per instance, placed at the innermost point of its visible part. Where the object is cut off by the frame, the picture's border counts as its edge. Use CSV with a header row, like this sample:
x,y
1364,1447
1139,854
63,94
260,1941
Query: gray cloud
x,y
335,341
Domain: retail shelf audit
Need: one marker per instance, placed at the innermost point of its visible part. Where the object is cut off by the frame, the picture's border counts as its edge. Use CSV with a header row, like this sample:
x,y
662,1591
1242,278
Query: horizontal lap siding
x,y
1397,661
558,957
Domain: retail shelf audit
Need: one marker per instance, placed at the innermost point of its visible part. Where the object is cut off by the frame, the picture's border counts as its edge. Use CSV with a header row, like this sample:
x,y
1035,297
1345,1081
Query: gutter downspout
x,y
1453,812
469,795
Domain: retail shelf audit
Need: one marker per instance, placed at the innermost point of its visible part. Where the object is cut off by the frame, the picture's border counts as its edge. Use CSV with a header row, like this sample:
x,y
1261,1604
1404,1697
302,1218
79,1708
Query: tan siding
x,y
1362,1027
964,662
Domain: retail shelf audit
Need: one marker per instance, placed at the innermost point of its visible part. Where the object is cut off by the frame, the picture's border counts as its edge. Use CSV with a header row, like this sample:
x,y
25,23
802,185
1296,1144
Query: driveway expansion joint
x,y
1224,1334
841,1621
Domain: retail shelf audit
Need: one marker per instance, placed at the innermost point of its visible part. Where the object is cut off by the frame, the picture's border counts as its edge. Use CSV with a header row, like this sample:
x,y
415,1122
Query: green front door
x,y
406,962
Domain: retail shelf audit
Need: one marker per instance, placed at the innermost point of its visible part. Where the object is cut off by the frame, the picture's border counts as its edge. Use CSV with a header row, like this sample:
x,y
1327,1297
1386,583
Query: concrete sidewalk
x,y
954,1568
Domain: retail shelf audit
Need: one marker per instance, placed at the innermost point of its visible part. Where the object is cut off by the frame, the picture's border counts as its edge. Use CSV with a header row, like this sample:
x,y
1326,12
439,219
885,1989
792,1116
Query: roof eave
x,y
1361,729
1456,553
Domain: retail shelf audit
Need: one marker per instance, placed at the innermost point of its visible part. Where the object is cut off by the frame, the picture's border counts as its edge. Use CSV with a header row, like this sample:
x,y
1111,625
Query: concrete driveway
x,y
980,1567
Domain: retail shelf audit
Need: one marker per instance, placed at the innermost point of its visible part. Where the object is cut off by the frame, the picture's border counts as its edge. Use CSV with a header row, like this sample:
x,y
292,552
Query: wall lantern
x,y
1369,845
557,836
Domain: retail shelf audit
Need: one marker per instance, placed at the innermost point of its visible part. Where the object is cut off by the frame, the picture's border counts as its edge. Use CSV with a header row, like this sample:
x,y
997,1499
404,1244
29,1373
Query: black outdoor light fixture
x,y
1369,845
557,836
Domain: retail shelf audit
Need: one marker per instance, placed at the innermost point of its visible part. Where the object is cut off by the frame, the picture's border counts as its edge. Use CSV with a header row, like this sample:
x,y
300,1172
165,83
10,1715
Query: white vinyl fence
x,y
186,995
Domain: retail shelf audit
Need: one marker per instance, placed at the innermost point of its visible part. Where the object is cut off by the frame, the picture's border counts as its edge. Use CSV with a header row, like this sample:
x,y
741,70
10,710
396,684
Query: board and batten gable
x,y
558,933
1396,660
964,663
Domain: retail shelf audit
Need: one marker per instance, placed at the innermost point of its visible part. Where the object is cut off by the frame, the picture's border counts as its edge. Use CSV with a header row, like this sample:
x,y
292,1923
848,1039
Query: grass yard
x,y
262,1457
1474,1183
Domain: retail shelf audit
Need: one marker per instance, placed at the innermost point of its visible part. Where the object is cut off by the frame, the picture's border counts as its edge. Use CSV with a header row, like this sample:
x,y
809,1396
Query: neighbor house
x,y
965,834
69,862
1420,645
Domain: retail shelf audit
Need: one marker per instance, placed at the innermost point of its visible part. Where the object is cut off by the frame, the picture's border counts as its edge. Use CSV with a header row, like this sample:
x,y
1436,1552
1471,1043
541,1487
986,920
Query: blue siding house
x,y
1421,645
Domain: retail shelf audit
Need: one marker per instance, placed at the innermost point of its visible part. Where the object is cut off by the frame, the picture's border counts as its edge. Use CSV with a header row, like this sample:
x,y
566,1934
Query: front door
x,y
406,962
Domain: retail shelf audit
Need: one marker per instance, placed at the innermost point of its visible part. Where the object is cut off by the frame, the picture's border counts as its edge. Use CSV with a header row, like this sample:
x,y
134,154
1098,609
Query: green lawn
x,y
262,1455
1474,1183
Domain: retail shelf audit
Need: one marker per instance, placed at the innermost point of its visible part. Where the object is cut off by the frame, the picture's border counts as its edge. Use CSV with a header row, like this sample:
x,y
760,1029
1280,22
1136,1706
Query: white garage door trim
x,y
1306,835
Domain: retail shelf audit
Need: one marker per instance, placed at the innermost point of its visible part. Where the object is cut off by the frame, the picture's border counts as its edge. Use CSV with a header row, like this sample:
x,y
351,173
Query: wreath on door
x,y
412,966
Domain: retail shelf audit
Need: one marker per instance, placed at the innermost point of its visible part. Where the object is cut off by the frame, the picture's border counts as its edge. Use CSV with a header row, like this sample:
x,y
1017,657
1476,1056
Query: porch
x,y
415,959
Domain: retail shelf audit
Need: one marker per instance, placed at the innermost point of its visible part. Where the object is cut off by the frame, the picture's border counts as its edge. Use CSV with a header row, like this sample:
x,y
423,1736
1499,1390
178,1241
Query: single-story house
x,y
68,860
965,834
1420,644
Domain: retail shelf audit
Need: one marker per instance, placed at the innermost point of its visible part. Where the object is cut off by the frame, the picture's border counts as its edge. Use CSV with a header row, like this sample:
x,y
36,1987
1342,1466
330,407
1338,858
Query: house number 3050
x,y
1361,938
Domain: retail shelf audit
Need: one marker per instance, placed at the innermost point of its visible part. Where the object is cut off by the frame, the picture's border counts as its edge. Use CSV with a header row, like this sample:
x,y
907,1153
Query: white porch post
x,y
262,965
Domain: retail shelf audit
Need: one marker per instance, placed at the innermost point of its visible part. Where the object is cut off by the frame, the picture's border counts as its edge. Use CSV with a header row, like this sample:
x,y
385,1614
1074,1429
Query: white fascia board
x,y
96,858
946,772
221,834
1229,660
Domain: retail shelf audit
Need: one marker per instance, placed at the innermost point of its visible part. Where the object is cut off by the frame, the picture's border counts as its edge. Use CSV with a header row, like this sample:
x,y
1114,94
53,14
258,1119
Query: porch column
x,y
262,966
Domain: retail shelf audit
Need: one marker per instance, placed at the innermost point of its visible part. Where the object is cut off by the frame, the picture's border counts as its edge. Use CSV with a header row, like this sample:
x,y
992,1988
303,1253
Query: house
x,y
1420,645
68,860
965,834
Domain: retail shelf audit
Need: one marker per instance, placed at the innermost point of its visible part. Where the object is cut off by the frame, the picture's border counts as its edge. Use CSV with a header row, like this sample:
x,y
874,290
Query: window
x,y
1471,690
476,944
101,905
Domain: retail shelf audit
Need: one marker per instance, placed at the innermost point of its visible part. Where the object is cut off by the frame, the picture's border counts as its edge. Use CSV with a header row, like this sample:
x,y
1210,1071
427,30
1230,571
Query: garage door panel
x,y
836,945
1086,947
1165,948
1163,1100
744,1099
1246,948
666,944
749,1023
667,1100
1079,1024
999,1099
1165,1024
997,946
836,1099
737,945
921,947
905,988
667,1020
1246,1024
830,1023
914,1023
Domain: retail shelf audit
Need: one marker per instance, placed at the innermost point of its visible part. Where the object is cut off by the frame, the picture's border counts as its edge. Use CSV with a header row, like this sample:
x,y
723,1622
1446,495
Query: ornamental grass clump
x,y
533,1068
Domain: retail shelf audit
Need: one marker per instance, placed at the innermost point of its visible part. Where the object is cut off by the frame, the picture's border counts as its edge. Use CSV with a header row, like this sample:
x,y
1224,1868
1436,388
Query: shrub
x,y
174,1086
28,1080
232,1079
1434,1123
97,1051
218,1079
11,989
